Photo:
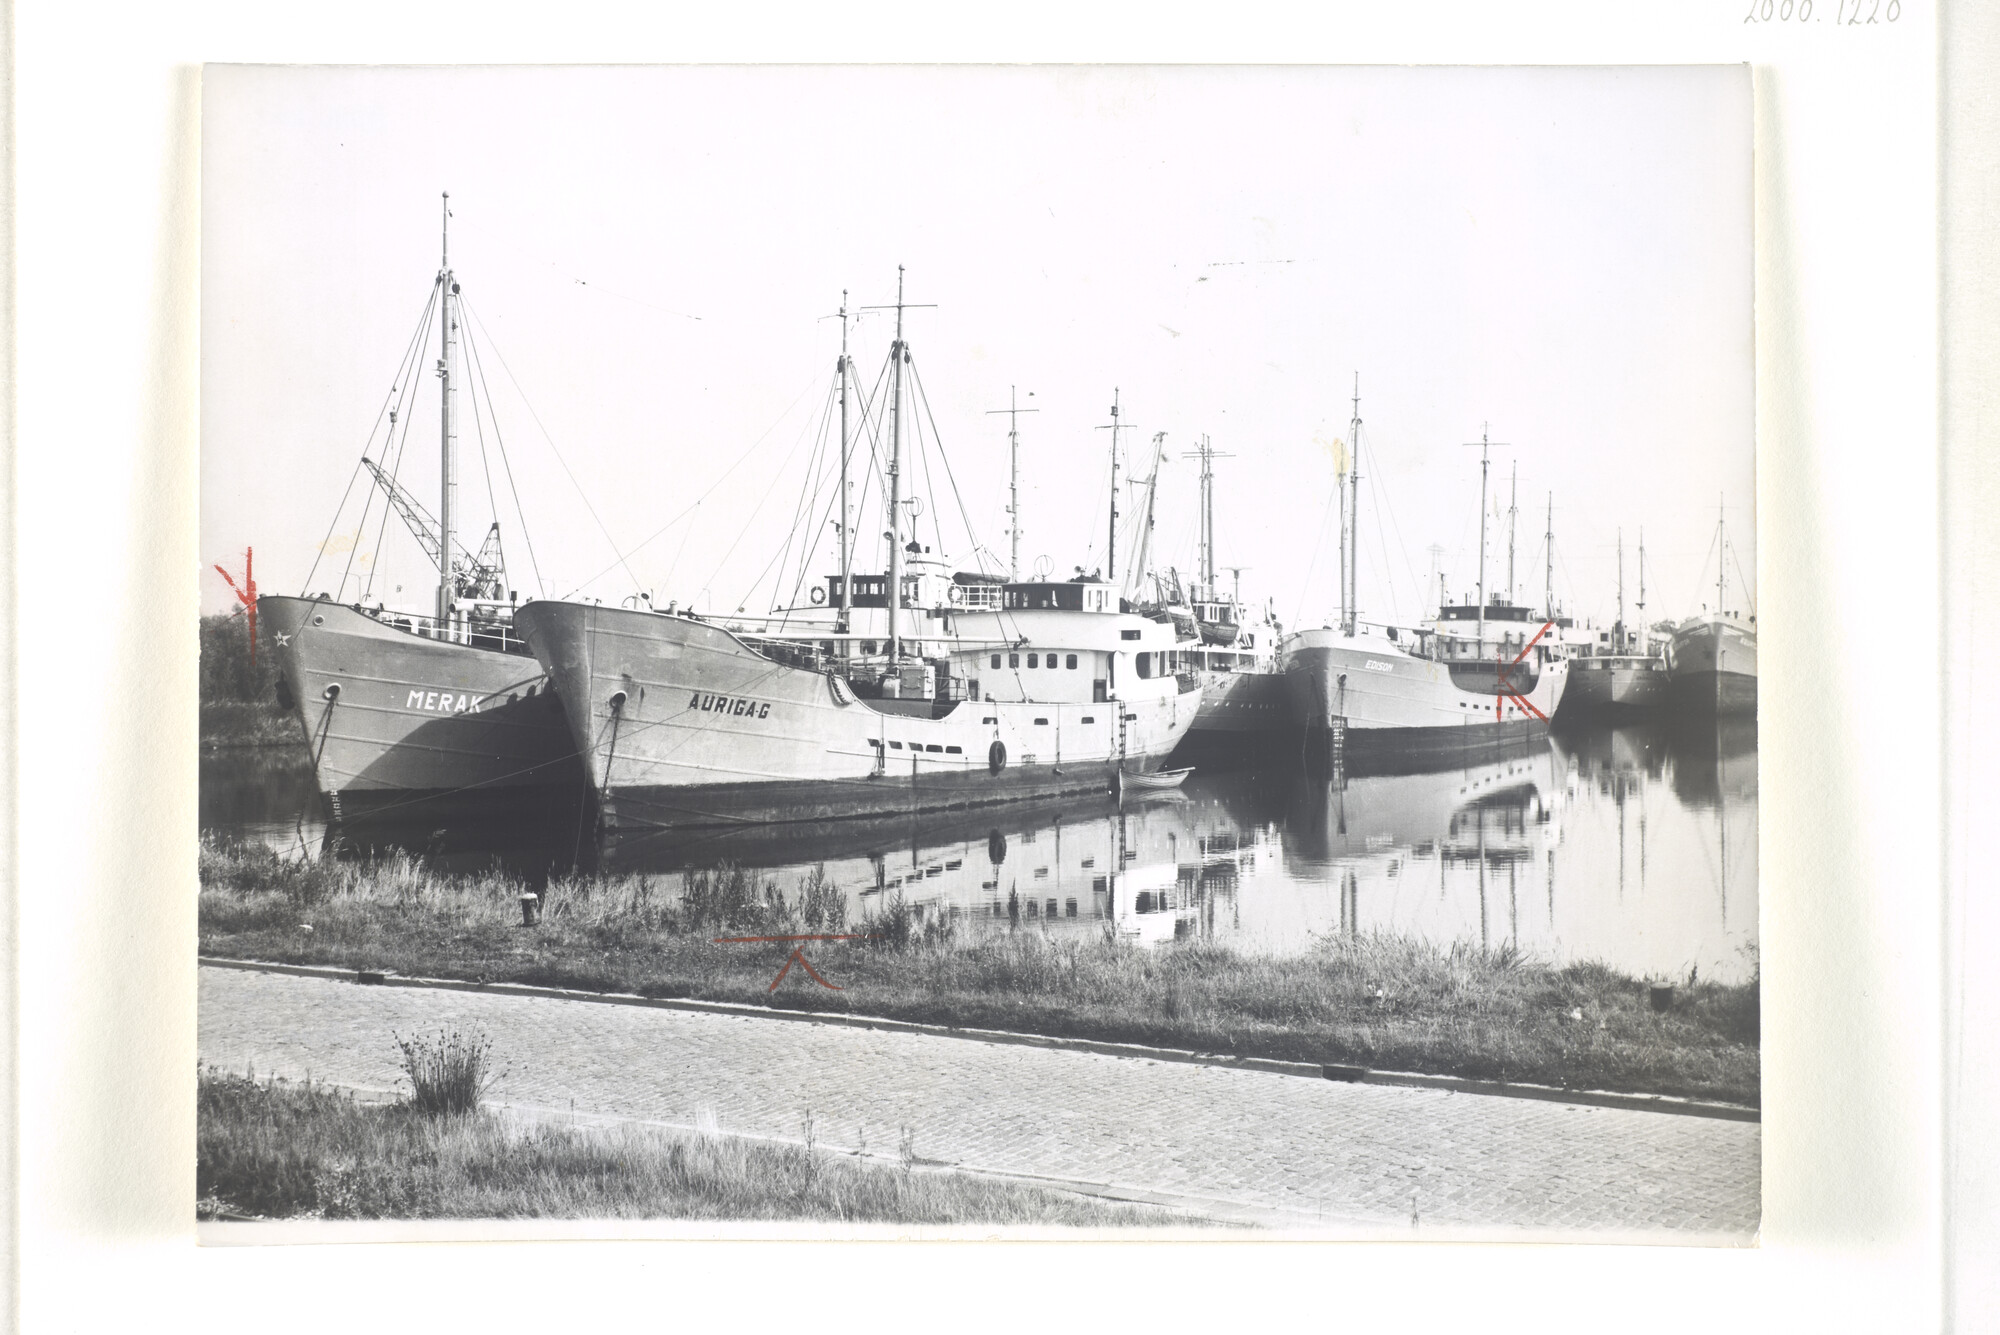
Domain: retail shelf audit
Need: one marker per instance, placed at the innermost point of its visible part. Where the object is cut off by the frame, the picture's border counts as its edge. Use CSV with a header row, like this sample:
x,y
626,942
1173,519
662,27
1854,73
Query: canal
x,y
1633,846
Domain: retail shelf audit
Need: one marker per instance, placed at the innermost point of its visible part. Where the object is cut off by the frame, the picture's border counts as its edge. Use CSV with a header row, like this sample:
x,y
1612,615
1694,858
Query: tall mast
x,y
1721,555
1350,601
1643,647
1111,550
846,495
1619,634
1484,446
1549,574
896,355
1513,496
448,443
1208,454
1483,452
1207,517
1014,411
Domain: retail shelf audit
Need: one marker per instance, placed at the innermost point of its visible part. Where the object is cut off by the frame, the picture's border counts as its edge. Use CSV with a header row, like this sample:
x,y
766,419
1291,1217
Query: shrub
x,y
448,1073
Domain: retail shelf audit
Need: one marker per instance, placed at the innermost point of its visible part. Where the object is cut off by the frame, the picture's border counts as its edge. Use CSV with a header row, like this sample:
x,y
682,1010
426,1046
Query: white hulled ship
x,y
884,697
1712,657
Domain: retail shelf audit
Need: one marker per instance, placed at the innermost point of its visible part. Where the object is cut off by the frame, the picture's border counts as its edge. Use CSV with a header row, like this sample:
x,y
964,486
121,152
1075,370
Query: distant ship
x,y
1479,678
413,716
1712,657
1617,672
906,692
1245,714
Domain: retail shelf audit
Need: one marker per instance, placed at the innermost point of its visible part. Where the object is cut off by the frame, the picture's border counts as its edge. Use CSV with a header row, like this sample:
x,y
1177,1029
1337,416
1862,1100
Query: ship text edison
x,y
443,702
729,704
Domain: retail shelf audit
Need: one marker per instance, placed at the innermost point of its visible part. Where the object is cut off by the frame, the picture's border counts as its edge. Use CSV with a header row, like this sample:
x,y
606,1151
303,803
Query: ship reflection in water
x,y
1635,846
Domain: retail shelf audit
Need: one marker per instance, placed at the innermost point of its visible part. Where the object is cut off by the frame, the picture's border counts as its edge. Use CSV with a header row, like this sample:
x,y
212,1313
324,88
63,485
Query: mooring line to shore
x,y
1343,1074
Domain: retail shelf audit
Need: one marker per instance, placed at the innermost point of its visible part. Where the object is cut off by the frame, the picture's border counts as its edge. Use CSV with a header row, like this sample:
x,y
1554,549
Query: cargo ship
x,y
1478,679
1617,673
1712,657
909,691
1245,713
412,716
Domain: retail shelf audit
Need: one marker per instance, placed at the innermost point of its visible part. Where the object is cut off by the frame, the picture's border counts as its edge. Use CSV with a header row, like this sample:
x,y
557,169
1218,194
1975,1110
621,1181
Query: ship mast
x,y
1014,411
1644,648
1513,509
1208,454
448,443
846,495
1549,573
1484,447
1351,596
1619,632
1721,555
1111,549
1483,452
896,355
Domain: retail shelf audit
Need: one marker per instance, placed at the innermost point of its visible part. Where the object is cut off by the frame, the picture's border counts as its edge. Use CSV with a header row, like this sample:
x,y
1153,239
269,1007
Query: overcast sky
x,y
649,256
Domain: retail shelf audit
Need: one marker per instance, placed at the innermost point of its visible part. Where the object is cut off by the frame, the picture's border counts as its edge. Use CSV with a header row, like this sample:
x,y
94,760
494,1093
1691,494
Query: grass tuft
x,y
449,1072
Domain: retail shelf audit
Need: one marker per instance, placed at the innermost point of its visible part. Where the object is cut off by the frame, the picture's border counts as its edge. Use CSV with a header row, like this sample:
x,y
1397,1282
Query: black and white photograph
x,y
967,651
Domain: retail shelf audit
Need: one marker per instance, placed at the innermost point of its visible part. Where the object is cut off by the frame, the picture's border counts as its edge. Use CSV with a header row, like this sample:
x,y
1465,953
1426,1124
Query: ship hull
x,y
1243,716
408,728
1604,688
1712,669
681,725
1387,711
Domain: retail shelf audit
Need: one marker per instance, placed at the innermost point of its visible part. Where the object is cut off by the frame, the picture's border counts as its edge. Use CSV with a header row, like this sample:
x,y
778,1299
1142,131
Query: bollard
x,y
531,908
1662,995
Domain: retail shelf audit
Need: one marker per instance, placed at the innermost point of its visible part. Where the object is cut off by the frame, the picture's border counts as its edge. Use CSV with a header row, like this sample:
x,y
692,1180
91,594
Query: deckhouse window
x,y
996,660
1070,662
1013,660
1031,660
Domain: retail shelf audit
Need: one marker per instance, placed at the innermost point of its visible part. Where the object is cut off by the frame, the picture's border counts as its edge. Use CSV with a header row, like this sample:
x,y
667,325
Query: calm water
x,y
1636,846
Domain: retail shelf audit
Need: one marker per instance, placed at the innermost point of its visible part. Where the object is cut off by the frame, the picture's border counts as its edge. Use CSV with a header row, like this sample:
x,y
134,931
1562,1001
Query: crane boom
x,y
422,526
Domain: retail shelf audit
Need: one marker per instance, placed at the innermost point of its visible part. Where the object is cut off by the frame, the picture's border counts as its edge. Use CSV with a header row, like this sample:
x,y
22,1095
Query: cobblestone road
x,y
1349,1157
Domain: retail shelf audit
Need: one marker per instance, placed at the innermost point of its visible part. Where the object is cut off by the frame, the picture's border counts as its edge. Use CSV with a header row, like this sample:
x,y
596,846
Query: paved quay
x,y
1307,1154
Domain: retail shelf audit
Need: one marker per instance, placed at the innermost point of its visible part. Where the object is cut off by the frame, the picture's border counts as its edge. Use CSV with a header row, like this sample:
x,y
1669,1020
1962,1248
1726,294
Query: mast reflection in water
x,y
1635,846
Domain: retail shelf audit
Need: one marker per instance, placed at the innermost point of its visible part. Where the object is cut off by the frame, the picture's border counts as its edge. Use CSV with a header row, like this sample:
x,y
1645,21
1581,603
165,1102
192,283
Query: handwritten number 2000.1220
x,y
1852,13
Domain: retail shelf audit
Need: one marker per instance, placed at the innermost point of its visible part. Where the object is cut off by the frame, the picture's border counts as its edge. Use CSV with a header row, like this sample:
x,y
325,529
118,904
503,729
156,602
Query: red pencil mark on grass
x,y
247,595
798,955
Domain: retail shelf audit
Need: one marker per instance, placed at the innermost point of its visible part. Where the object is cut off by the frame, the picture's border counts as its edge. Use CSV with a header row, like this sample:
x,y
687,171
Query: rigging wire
x,y
1750,597
527,538
694,505
800,509
1703,580
502,359
422,322
745,527
402,444
971,535
479,430
1305,586
415,360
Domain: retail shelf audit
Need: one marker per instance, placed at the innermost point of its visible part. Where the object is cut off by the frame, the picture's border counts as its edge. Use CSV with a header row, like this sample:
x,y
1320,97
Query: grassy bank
x,y
1389,1003
278,1150
239,705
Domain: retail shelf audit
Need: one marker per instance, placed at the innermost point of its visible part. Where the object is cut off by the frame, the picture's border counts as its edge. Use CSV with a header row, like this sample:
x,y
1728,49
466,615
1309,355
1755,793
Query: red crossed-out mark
x,y
1506,692
798,955
247,595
